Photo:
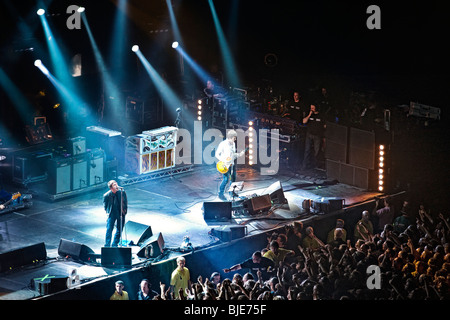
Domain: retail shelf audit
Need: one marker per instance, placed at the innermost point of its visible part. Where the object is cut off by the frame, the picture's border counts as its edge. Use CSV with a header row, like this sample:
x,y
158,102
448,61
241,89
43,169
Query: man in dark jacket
x,y
116,205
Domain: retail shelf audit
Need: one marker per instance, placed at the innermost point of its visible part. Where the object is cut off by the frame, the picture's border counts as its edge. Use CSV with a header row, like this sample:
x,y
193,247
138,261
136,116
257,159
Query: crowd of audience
x,y
410,251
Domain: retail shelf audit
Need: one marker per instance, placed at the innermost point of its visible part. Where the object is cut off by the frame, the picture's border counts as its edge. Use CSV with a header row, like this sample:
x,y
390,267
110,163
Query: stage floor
x,y
170,205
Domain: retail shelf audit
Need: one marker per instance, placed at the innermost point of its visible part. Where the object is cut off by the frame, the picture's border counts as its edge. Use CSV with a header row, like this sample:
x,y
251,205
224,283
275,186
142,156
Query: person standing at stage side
x,y
314,134
119,293
385,215
211,91
145,291
115,204
226,152
295,110
180,279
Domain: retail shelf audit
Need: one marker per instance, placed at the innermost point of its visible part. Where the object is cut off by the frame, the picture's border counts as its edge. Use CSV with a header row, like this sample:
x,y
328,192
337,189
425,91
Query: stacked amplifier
x,y
151,150
76,170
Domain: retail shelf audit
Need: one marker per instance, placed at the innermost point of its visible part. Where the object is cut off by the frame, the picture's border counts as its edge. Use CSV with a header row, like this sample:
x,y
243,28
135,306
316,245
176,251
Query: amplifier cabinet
x,y
77,145
59,175
79,172
96,167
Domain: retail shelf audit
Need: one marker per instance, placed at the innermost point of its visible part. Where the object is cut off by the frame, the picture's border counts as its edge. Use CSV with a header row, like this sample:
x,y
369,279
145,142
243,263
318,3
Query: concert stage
x,y
171,206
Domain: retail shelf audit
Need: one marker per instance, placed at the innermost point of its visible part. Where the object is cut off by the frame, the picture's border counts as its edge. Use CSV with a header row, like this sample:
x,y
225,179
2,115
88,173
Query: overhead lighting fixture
x,y
40,12
175,44
135,48
81,9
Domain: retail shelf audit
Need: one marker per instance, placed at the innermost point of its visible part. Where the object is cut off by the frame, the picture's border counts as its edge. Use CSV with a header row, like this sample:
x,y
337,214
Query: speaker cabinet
x,y
76,251
116,257
152,247
276,193
77,145
137,233
22,257
258,204
52,284
336,142
217,211
348,174
229,233
59,175
362,148
79,172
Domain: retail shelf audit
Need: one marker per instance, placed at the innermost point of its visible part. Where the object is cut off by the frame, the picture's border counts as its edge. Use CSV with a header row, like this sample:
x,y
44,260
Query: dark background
x,y
316,43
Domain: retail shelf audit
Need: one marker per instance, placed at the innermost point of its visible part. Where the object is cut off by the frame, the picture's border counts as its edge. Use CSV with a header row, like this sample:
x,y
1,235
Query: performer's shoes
x,y
222,197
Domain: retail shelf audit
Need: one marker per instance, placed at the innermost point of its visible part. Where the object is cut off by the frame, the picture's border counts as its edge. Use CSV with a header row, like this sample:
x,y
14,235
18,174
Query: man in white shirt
x,y
226,152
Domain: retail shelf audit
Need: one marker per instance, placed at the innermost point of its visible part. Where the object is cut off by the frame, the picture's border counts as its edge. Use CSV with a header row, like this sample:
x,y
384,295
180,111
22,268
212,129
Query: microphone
x,y
118,187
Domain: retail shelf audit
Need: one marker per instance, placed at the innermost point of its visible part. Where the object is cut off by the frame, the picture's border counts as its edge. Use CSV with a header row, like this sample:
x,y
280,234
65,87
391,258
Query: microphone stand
x,y
122,216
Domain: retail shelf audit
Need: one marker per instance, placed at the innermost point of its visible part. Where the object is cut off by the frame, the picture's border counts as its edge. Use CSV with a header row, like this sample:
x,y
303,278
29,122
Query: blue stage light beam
x,y
111,89
227,57
167,94
199,71
17,98
118,36
59,64
75,105
173,22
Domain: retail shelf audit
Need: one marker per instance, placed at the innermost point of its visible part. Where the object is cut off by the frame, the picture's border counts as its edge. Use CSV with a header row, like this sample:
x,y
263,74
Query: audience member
x,y
414,265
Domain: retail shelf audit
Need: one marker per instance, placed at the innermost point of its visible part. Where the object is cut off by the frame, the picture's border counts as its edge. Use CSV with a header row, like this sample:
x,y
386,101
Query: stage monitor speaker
x,y
50,284
137,233
59,175
116,257
335,204
275,190
258,204
229,233
22,257
217,211
152,247
79,172
75,250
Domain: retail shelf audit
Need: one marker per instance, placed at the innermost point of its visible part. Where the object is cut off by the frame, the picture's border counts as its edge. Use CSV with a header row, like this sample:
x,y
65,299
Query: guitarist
x,y
13,197
226,152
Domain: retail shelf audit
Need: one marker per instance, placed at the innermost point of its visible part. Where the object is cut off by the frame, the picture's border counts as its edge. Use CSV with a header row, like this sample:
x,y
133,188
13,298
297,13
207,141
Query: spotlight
x,y
135,48
81,9
40,12
37,63
174,44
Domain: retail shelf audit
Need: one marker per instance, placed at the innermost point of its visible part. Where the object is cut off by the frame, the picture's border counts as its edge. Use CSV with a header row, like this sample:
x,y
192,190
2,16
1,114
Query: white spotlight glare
x,y
37,63
40,12
174,44
81,9
135,48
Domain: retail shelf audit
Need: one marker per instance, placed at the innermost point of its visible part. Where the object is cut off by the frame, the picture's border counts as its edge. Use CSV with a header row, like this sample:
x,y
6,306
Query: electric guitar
x,y
13,197
223,166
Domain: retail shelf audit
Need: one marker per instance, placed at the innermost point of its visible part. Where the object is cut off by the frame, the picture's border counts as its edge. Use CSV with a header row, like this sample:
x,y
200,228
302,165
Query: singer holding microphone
x,y
116,205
